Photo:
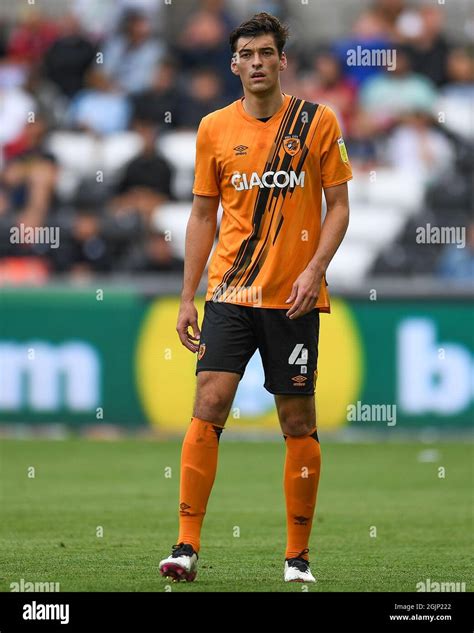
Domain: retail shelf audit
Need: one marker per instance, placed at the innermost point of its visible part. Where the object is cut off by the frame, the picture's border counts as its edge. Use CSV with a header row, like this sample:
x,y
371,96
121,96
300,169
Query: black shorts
x,y
231,333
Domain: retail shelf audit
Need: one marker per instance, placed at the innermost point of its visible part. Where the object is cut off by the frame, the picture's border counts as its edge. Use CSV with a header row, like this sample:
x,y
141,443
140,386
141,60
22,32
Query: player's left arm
x,y
306,288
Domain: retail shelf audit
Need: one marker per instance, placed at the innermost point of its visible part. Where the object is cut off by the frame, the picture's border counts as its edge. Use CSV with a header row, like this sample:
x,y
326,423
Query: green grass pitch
x,y
49,523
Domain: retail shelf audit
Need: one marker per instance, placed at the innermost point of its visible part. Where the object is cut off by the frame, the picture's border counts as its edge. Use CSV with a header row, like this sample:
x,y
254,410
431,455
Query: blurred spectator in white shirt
x,y
416,146
16,106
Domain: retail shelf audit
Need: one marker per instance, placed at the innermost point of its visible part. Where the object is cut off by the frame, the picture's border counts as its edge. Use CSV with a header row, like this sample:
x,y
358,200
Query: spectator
x,y
130,58
458,263
29,181
427,47
30,39
204,43
100,108
154,254
457,96
327,85
17,107
146,181
418,147
49,101
369,33
292,82
395,93
68,59
387,13
161,102
31,142
204,96
84,248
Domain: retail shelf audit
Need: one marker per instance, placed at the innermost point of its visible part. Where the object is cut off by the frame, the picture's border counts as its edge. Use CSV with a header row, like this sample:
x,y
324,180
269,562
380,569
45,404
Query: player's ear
x,y
233,64
283,61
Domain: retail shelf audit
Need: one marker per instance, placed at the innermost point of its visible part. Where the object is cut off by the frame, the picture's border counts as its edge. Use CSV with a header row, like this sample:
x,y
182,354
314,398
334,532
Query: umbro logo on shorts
x,y
298,381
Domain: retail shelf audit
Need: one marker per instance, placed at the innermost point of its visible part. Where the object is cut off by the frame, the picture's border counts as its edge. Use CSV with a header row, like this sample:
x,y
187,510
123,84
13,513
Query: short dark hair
x,y
259,24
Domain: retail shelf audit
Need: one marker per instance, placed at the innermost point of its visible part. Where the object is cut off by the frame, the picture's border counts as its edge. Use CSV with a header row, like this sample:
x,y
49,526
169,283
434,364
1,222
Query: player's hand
x,y
304,293
188,317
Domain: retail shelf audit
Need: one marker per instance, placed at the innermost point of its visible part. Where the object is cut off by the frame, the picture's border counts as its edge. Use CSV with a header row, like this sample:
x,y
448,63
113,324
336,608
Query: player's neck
x,y
263,106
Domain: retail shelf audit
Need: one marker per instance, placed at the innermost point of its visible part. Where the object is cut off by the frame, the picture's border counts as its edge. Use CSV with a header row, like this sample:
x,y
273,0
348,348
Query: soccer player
x,y
267,158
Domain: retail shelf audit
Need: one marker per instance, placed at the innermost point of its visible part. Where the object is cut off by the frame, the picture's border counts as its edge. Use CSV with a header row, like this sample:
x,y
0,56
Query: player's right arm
x,y
200,233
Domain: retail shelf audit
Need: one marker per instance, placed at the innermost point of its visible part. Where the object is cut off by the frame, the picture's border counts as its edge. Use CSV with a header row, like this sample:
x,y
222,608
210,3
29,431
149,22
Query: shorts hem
x,y
230,371
290,393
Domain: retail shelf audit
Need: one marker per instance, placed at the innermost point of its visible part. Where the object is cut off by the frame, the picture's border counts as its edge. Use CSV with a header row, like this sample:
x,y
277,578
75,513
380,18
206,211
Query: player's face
x,y
257,63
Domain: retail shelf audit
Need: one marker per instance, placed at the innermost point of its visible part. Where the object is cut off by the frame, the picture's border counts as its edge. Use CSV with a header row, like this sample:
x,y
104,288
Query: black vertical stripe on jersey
x,y
249,244
278,229
311,111
304,153
302,131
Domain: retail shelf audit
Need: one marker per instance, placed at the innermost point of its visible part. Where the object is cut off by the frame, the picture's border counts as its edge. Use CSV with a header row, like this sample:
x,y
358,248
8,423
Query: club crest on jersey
x,y
202,350
292,144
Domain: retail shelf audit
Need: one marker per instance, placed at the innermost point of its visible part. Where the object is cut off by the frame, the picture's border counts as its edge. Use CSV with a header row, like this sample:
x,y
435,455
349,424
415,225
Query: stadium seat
x,y
375,225
81,155
174,217
395,187
351,263
118,149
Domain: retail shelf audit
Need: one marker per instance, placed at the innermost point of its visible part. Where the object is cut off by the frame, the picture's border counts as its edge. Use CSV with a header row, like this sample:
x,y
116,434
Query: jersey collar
x,y
278,114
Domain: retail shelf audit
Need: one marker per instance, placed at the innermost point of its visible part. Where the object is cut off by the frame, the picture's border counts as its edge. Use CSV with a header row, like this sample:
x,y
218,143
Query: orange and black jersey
x,y
270,176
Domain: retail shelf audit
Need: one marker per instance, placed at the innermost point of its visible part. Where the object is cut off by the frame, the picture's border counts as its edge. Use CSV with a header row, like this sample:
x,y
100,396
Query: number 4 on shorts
x,y
298,349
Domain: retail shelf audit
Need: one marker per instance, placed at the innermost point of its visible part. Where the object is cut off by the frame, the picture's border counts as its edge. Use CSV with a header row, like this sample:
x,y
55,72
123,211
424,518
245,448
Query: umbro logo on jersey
x,y
241,150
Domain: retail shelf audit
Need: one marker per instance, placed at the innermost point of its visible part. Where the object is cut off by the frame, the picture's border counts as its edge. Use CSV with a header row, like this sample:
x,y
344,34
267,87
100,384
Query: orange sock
x,y
301,478
198,471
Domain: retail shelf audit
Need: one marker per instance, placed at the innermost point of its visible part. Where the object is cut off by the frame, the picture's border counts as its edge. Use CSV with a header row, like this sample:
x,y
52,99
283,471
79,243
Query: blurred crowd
x,y
63,78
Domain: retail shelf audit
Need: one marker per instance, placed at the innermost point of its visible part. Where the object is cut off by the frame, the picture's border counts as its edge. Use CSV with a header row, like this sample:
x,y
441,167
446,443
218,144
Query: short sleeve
x,y
206,182
335,166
